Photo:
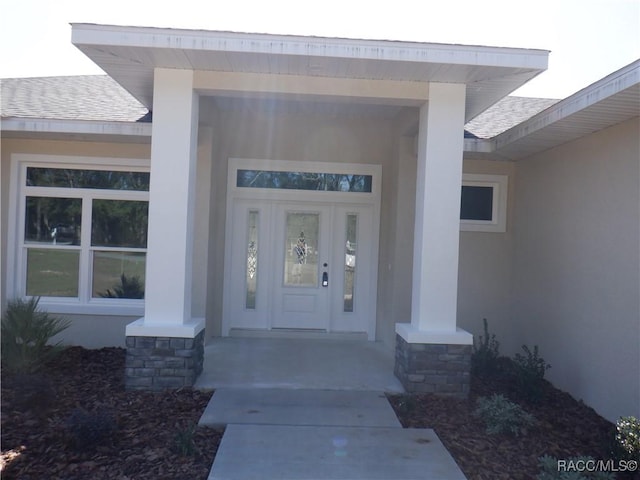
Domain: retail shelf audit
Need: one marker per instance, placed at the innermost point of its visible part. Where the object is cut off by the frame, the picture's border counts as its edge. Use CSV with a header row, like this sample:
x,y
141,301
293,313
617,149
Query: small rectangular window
x,y
101,179
476,203
483,203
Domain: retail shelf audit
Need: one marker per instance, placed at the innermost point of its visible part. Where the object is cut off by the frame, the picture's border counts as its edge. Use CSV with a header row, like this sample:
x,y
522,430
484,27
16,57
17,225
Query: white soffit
x,y
607,102
130,54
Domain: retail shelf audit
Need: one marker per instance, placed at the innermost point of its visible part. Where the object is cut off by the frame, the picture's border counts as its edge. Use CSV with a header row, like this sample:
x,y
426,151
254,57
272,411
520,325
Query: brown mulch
x,y
149,429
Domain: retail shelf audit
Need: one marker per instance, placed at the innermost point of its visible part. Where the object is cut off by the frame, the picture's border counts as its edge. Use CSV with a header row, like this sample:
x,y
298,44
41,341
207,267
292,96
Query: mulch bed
x,y
150,430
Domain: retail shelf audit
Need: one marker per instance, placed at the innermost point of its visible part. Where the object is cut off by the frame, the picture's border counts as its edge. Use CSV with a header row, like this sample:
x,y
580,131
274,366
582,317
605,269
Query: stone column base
x,y
443,369
160,363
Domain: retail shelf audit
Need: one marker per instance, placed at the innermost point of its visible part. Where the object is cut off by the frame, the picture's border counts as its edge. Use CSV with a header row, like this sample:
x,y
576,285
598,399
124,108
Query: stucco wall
x,y
576,266
484,272
276,135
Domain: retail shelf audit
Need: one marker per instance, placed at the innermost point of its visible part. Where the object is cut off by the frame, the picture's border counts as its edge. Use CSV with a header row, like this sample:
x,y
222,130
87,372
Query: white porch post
x,y
437,220
171,206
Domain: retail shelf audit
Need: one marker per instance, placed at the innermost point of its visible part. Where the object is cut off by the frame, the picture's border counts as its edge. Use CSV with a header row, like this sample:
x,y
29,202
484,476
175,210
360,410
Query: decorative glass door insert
x,y
301,249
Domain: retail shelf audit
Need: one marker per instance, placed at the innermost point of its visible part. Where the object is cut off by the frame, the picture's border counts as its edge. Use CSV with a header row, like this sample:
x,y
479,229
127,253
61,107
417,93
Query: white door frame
x,y
263,196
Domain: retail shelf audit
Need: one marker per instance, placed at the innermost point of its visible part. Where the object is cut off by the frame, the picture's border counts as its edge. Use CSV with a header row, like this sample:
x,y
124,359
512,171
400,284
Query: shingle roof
x,y
86,97
507,113
100,98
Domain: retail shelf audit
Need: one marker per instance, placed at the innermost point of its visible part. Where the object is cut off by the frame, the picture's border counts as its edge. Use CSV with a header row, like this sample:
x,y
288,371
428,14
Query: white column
x,y
437,220
171,205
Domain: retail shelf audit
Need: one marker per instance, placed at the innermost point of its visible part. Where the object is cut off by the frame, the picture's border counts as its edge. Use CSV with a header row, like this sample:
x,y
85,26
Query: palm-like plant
x,y
25,335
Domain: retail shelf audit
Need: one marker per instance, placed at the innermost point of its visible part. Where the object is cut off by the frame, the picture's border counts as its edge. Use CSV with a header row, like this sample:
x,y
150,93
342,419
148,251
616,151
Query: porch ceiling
x,y
130,54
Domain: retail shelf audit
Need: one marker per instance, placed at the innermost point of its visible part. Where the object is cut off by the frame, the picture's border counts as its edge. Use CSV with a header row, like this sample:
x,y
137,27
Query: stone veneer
x,y
433,368
159,363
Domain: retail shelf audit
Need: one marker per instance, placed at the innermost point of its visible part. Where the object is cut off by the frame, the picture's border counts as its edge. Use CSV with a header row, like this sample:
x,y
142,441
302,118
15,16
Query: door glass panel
x,y
252,260
350,261
301,249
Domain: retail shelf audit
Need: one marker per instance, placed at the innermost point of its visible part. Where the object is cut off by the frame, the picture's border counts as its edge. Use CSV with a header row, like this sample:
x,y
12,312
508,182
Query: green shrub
x,y
25,333
183,442
573,468
501,415
129,287
484,358
627,439
530,369
88,430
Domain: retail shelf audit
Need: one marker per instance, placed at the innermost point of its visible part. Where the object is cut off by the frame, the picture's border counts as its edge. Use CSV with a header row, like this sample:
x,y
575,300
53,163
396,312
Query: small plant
x,y
627,439
129,287
34,392
485,354
574,468
530,370
501,415
90,429
183,441
25,333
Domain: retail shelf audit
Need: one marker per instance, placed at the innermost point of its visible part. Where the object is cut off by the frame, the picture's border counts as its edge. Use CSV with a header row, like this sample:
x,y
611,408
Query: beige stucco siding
x,y
484,273
576,266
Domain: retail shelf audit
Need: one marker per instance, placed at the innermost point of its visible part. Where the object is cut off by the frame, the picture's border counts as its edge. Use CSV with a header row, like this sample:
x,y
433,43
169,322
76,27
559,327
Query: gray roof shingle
x,y
507,113
85,97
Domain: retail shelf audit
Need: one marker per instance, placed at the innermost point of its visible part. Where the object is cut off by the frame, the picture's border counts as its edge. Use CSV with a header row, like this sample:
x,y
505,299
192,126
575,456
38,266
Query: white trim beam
x,y
382,92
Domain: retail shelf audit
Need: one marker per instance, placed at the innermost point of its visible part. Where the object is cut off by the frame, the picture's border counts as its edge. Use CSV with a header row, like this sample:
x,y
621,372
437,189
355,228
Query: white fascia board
x,y
81,127
478,145
384,50
610,85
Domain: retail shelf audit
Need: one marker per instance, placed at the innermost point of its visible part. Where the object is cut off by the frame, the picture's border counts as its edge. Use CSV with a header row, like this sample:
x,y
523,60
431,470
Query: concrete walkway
x,y
313,410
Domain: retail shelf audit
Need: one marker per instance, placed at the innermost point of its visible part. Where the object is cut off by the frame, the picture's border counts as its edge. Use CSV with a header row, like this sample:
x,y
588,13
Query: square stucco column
x,y
164,348
432,354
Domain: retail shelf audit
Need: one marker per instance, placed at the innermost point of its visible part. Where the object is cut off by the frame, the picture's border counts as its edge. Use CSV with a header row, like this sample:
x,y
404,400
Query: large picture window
x,y
82,234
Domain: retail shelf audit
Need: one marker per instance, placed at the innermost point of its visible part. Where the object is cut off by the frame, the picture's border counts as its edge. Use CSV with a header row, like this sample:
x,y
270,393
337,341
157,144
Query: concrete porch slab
x,y
298,363
299,407
270,452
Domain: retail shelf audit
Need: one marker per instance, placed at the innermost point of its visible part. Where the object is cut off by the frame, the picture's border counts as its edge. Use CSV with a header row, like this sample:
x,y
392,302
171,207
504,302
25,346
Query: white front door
x,y
301,265
297,258
300,274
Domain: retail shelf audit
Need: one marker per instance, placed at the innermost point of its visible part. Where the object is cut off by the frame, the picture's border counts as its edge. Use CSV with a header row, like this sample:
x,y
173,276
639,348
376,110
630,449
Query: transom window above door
x,y
288,180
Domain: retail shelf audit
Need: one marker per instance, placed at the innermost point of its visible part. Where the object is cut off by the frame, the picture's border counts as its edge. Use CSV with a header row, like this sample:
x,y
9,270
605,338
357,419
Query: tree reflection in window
x,y
329,182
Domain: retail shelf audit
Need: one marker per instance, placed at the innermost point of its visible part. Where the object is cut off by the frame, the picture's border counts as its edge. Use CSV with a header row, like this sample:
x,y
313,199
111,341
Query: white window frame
x,y
19,191
500,185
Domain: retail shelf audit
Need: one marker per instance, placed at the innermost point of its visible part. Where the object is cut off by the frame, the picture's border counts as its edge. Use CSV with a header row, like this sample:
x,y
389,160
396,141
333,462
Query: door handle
x,y
325,279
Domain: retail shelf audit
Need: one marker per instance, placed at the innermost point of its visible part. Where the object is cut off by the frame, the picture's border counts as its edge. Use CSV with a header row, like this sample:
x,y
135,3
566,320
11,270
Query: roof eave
x,y
517,142
130,54
135,132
